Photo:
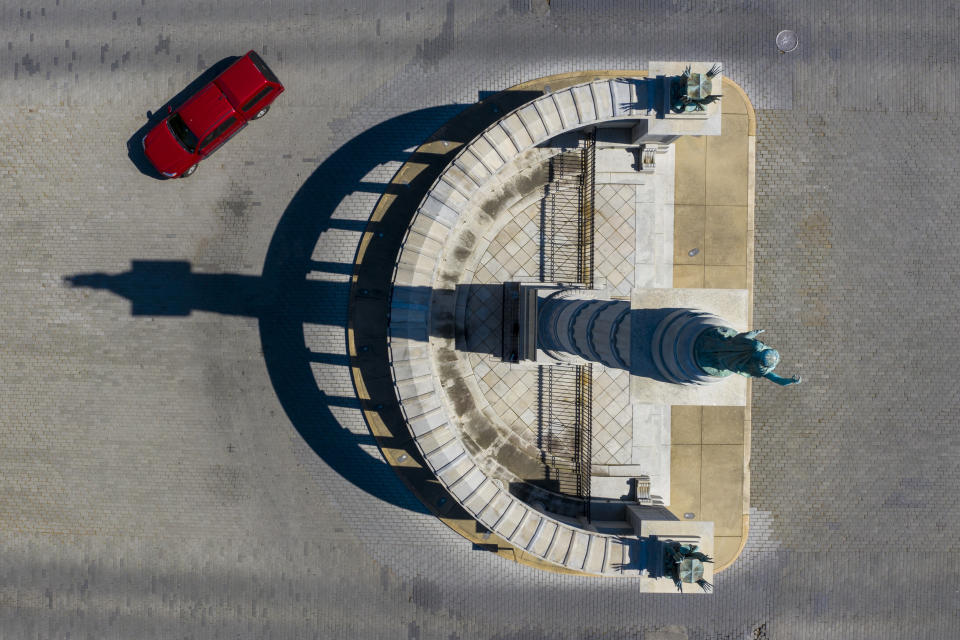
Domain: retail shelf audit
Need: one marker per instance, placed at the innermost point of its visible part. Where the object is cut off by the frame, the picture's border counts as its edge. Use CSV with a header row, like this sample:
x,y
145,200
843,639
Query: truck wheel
x,y
261,113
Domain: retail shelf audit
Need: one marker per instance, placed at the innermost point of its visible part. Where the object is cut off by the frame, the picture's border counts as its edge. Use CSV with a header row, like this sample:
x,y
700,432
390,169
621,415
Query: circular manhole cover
x,y
787,40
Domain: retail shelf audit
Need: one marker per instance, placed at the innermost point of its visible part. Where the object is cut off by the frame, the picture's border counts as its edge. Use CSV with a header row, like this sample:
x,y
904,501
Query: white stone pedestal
x,y
684,532
697,123
648,307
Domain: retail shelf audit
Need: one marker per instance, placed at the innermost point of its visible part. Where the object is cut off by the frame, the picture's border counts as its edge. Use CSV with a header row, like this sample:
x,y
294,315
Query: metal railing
x,y
560,221
565,392
584,422
587,183
564,447
567,217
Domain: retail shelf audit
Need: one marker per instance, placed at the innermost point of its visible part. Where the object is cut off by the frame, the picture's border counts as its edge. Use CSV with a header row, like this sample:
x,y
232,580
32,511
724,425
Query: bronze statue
x,y
693,91
721,351
684,563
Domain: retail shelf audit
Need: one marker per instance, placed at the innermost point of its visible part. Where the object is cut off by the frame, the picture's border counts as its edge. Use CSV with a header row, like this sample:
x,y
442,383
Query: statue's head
x,y
768,359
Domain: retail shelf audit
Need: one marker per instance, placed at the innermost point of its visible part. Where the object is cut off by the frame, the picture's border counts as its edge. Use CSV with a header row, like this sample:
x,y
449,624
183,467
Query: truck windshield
x,y
182,133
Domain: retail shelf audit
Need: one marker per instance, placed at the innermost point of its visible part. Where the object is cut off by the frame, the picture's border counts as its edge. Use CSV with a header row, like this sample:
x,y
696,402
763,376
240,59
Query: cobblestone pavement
x,y
182,451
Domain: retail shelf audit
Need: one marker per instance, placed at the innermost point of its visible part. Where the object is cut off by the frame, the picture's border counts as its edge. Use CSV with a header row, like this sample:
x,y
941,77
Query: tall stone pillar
x,y
573,327
673,343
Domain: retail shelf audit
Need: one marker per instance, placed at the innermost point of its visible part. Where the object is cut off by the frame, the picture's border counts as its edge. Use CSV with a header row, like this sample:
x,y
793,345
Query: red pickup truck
x,y
210,117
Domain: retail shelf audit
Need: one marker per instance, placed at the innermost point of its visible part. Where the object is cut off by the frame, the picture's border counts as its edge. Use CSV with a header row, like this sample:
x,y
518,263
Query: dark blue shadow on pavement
x,y
283,298
290,258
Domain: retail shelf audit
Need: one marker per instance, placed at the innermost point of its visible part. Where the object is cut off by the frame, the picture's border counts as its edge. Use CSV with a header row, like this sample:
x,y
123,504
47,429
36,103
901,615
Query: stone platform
x,y
649,308
467,411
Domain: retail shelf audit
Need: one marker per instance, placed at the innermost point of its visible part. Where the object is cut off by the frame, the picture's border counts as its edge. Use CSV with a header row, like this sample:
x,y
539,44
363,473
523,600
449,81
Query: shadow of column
x,y
283,298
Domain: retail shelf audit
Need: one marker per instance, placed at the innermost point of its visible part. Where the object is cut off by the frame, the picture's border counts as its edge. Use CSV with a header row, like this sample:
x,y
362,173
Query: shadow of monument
x,y
171,289
283,298
650,95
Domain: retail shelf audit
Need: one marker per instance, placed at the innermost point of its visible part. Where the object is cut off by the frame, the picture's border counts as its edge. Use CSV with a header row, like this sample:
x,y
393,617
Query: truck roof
x,y
240,81
205,110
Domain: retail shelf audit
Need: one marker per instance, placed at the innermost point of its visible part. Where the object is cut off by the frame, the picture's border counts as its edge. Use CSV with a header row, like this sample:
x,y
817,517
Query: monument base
x,y
648,310
655,533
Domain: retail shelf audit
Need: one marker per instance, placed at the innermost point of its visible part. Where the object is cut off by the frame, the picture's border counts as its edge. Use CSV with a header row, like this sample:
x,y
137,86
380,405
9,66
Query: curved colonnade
x,y
434,258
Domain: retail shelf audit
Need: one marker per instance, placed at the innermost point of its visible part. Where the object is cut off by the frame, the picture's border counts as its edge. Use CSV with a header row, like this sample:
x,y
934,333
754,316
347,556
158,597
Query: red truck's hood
x,y
164,152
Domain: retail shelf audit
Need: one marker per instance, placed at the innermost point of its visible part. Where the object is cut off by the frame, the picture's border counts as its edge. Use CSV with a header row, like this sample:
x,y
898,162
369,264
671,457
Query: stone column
x,y
581,330
673,342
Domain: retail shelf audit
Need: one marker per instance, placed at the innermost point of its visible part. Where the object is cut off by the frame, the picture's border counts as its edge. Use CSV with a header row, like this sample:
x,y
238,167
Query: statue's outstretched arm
x,y
754,333
780,380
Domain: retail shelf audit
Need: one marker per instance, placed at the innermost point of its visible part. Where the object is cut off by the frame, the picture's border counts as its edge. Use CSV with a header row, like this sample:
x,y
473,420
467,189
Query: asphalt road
x,y
181,453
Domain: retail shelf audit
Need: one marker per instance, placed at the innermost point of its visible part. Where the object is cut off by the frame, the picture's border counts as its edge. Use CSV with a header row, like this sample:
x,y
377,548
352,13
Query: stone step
x,y
488,154
464,487
494,510
583,98
429,421
471,165
567,108
577,552
509,521
513,125
434,439
549,114
527,528
456,470
481,498
533,122
498,138
602,104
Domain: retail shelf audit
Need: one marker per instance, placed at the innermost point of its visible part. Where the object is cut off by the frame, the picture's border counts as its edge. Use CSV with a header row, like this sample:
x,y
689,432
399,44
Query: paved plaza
x,y
184,454
514,254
